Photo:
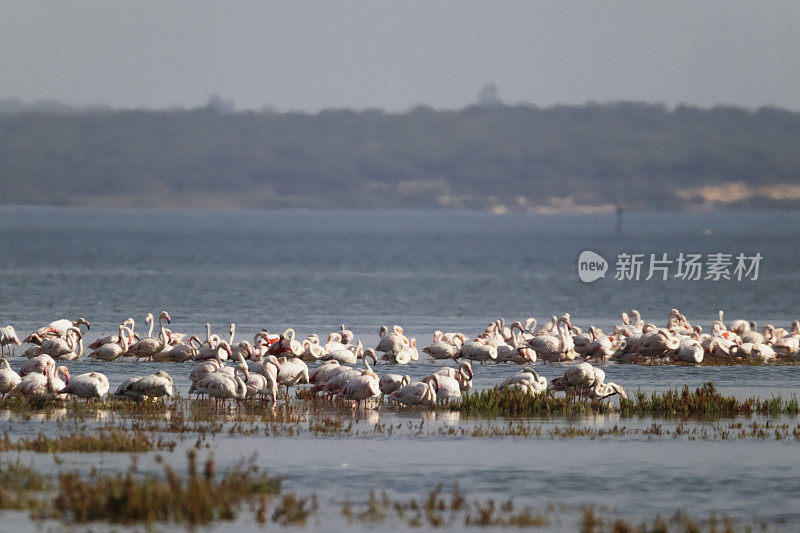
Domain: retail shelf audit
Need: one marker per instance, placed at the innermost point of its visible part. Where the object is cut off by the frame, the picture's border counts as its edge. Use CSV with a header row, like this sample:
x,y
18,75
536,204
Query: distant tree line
x,y
630,154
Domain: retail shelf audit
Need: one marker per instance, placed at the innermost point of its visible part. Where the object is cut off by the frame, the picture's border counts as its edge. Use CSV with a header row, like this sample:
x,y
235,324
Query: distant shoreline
x,y
496,158
535,211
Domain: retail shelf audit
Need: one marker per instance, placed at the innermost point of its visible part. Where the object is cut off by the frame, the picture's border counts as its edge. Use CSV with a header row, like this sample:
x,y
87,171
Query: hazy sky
x,y
312,55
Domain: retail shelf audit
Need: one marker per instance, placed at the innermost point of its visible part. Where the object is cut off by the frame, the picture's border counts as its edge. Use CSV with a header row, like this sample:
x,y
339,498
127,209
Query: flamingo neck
x,y
241,388
123,339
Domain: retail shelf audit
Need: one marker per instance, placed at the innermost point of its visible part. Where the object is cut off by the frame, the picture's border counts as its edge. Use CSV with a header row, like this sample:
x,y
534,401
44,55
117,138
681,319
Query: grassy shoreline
x,y
702,403
202,496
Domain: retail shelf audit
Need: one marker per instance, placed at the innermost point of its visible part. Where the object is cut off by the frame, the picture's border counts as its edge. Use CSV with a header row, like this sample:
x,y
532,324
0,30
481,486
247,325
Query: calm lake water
x,y
428,270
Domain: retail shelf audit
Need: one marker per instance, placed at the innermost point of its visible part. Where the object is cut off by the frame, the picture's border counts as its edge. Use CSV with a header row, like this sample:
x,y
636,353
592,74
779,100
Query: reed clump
x,y
505,402
103,441
594,520
439,509
488,514
200,498
294,511
703,402
21,486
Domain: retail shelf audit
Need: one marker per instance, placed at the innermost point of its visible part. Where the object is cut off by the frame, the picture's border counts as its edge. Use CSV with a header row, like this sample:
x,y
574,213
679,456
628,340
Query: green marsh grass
x,y
199,498
21,486
497,402
439,509
103,441
702,403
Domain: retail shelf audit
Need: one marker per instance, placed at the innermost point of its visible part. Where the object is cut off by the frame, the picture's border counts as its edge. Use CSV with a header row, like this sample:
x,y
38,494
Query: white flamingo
x,y
150,346
344,356
312,350
632,321
292,372
8,337
445,349
583,340
321,375
222,386
36,365
362,387
336,378
33,350
477,351
221,350
449,338
658,344
417,393
58,328
551,328
754,336
601,348
142,387
393,341
289,345
347,335
267,367
392,382
463,374
208,350
763,352
690,351
584,379
736,326
87,386
68,347
242,347
788,346
129,325
260,384
8,378
334,343
447,388
204,368
179,353
554,348
406,354
526,380
604,390
112,350
44,384
514,352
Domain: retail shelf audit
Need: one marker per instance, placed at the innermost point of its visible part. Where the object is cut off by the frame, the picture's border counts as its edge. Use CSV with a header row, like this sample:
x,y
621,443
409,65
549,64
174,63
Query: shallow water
x,y
426,271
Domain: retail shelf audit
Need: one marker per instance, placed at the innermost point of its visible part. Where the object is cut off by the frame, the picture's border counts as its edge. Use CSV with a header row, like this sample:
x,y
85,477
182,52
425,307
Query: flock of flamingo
x,y
280,360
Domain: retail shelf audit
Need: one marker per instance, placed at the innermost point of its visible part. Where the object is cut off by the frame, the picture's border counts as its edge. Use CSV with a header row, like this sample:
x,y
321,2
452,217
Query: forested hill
x,y
590,157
